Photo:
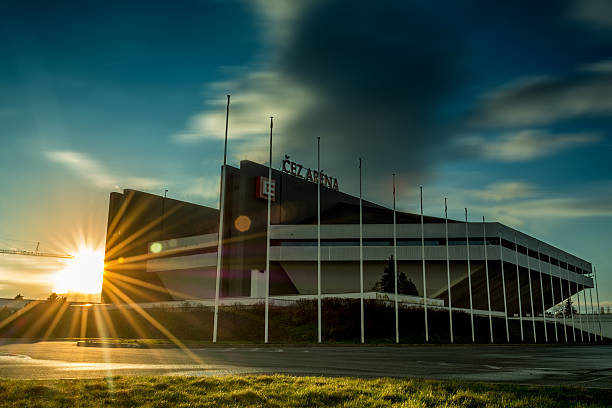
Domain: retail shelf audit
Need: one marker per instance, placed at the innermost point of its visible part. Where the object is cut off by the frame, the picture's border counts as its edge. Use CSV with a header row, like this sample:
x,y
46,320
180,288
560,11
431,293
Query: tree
x,y
387,279
405,286
54,297
568,308
557,310
386,283
18,297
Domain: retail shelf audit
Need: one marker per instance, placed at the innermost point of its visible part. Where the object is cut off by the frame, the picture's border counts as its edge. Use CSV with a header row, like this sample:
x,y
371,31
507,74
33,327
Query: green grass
x,y
285,391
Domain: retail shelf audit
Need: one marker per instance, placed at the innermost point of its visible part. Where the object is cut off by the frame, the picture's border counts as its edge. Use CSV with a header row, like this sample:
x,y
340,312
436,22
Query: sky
x,y
503,107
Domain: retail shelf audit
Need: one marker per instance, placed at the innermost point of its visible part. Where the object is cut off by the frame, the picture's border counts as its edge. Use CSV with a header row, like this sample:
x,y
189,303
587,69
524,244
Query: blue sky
x,y
503,107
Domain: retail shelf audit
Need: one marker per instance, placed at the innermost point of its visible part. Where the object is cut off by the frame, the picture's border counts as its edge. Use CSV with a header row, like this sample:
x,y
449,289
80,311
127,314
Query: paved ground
x,y
553,364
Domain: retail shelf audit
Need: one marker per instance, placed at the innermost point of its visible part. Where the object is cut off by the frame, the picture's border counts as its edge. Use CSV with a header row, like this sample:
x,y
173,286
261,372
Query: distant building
x,y
160,249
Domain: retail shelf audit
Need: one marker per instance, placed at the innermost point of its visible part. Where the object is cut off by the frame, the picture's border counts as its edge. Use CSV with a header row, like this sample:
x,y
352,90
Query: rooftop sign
x,y
297,170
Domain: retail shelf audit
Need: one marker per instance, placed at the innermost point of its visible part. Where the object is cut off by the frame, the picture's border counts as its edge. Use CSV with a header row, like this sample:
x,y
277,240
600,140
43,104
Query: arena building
x,y
163,250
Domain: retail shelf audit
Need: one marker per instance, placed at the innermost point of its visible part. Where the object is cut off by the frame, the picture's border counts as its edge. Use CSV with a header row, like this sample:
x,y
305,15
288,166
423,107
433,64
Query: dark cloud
x,y
381,72
399,83
394,80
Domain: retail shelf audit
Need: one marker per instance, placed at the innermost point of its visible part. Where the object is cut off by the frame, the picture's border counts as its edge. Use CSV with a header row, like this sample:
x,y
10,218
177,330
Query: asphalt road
x,y
540,364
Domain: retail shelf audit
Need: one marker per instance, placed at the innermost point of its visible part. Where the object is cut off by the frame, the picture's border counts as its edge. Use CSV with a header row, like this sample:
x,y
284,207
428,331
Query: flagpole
x,y
467,246
535,338
579,314
319,239
220,233
542,293
569,288
484,229
395,265
424,275
361,256
450,305
269,191
598,307
552,293
501,259
586,316
562,299
518,287
592,314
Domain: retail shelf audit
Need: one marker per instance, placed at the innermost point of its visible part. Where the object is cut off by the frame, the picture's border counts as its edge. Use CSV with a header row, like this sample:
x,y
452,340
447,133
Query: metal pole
x,y
501,259
598,307
579,314
395,265
162,217
592,314
220,233
569,288
450,305
552,293
467,247
424,276
268,234
518,285
319,239
562,300
361,256
535,339
586,314
542,293
484,230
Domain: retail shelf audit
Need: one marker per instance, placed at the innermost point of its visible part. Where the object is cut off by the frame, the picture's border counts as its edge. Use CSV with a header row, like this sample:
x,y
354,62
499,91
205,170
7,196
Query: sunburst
x,y
83,273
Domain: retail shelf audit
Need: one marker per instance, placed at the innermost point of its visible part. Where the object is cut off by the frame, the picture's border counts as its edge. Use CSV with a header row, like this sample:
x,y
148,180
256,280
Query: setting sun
x,y
82,274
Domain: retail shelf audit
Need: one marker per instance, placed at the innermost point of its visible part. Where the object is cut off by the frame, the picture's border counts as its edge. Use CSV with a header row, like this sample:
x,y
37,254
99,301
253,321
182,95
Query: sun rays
x,y
82,274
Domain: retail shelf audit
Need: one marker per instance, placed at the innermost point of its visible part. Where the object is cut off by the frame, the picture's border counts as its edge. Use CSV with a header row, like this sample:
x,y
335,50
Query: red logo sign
x,y
263,187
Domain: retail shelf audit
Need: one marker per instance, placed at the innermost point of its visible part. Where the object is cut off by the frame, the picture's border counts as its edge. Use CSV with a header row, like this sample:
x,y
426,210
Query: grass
x,y
286,391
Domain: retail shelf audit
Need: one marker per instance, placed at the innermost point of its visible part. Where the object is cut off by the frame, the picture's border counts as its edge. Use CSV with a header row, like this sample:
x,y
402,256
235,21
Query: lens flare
x,y
82,274
156,247
242,223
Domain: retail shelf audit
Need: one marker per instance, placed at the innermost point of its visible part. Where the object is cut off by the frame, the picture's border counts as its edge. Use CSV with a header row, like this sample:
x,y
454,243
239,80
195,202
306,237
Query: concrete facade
x,y
159,249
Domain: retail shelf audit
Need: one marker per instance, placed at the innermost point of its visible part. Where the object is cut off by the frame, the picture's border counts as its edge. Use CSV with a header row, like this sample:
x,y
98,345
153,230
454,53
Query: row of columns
x,y
267,270
579,288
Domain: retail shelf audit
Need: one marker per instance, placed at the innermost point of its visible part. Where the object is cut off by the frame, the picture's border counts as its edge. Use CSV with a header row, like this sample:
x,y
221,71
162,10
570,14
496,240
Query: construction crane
x,y
36,252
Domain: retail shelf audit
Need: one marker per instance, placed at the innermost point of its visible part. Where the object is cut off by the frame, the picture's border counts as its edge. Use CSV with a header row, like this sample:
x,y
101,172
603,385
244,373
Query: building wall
x,y
295,203
596,324
185,268
135,220
343,277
